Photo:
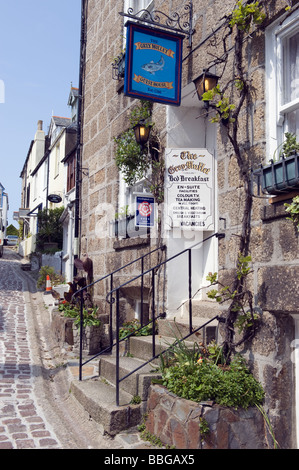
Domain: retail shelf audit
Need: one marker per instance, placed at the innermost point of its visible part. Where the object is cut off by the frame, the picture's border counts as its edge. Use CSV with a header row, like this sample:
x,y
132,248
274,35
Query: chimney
x,y
40,125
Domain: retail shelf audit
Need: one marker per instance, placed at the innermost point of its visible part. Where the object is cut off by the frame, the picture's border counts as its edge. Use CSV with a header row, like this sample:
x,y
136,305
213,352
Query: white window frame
x,y
136,5
276,35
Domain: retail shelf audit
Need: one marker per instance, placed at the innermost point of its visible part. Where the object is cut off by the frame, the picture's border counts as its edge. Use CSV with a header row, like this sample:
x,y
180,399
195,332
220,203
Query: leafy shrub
x,y
49,228
90,317
232,385
133,328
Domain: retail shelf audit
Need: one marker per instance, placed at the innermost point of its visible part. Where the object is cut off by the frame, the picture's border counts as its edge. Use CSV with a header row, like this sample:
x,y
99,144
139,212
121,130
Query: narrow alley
x,y
36,408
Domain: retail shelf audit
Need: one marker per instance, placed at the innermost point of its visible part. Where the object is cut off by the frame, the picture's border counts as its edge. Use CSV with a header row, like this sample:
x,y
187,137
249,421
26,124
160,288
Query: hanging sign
x,y
145,211
189,189
153,64
55,198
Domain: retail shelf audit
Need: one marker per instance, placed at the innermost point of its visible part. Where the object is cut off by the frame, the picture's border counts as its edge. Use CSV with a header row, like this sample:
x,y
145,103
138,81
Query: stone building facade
x,y
267,57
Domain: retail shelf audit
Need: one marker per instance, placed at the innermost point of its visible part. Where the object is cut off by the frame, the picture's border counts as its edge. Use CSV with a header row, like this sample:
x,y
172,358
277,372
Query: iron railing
x,y
113,298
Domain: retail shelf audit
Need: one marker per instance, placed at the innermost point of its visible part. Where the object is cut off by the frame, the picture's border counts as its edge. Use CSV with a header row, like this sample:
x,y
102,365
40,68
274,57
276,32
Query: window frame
x,y
276,75
71,172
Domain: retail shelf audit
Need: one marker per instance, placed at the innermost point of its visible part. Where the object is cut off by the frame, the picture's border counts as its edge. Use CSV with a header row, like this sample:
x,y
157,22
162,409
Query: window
x,y
57,159
137,6
46,169
71,172
290,104
282,71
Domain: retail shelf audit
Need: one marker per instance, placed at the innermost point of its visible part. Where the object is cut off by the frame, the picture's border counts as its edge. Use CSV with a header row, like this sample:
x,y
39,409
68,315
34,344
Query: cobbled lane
x,y
22,425
36,409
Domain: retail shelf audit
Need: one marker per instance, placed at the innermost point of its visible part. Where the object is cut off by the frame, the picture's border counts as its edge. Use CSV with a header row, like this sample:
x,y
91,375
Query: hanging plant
x,y
132,160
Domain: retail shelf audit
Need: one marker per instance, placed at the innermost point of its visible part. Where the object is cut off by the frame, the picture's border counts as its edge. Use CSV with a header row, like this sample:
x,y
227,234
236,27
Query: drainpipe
x,y
69,241
79,125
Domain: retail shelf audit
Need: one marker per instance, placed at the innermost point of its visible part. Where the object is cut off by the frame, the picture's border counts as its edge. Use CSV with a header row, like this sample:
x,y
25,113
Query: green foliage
x,y
203,427
288,147
243,266
143,112
222,105
232,386
241,300
247,14
55,278
90,317
49,227
133,328
130,159
136,400
293,210
12,230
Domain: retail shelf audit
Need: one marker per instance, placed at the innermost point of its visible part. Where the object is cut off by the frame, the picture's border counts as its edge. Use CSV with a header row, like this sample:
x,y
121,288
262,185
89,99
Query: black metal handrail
x,y
112,300
111,275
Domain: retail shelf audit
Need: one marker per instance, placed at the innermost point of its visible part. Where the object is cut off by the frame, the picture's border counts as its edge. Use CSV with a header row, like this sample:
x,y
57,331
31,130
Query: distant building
x,y
48,179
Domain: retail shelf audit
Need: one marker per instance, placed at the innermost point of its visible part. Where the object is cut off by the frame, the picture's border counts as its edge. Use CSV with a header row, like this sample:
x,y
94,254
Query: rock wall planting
x,y
185,424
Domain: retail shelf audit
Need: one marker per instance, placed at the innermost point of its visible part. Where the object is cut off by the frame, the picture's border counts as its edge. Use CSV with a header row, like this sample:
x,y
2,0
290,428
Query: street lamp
x,y
205,82
142,133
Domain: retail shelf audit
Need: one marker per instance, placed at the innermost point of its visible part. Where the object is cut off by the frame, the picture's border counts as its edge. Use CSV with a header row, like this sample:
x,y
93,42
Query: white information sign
x,y
189,185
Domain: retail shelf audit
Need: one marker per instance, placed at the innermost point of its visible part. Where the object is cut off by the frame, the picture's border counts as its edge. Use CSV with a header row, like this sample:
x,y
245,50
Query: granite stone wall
x,y
188,425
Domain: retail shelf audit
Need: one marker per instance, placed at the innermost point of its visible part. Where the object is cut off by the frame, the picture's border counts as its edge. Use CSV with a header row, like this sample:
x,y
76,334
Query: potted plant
x,y
281,175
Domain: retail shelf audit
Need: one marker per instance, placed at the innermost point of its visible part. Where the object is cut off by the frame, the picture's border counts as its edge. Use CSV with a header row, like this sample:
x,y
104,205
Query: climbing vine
x,y
227,101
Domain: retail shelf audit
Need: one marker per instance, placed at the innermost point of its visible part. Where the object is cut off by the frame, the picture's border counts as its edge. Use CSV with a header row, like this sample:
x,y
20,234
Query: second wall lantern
x,y
205,82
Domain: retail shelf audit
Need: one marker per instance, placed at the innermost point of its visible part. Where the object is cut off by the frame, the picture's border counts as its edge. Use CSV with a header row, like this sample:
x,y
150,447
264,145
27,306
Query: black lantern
x,y
205,82
142,133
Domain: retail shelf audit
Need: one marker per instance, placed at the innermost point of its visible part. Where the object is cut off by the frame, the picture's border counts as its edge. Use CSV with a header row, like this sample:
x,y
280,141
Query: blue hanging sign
x,y
153,64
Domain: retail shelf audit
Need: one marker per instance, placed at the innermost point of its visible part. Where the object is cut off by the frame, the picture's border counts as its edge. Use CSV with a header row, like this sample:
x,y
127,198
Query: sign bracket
x,y
175,22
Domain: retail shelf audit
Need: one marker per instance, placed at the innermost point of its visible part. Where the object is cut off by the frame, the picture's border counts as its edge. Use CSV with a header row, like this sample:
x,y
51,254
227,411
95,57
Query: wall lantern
x,y
205,82
142,133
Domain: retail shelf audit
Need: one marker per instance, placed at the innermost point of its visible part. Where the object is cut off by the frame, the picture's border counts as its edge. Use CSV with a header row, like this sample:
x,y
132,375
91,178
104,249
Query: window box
x,y
125,228
279,177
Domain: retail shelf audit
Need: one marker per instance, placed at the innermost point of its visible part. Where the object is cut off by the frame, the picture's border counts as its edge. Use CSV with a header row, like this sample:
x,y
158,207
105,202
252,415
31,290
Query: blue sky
x,y
39,59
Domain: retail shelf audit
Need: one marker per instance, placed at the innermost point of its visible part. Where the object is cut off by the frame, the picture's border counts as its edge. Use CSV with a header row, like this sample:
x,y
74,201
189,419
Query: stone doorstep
x,y
141,346
136,384
179,327
201,308
98,400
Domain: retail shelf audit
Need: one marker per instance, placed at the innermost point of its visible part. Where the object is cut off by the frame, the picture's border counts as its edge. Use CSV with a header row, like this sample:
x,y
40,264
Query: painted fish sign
x,y
153,64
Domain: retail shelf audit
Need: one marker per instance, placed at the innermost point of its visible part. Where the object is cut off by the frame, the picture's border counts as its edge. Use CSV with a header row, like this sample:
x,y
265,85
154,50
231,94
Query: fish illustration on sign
x,y
153,67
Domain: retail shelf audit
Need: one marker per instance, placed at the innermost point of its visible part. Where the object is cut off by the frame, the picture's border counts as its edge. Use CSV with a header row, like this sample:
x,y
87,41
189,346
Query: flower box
x,y
279,177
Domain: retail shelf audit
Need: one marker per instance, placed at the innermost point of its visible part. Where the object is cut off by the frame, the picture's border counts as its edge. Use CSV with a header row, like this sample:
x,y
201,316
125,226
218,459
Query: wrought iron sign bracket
x,y
182,24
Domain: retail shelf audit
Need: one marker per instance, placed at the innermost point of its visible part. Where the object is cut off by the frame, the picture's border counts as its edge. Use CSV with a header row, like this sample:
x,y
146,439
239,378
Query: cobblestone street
x,y
36,409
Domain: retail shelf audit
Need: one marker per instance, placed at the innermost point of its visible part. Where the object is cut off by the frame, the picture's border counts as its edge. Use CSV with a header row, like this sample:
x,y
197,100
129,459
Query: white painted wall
x,y
188,126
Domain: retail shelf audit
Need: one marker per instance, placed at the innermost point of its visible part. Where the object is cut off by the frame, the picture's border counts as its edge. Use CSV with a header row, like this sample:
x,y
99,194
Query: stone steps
x,y
97,397
97,394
